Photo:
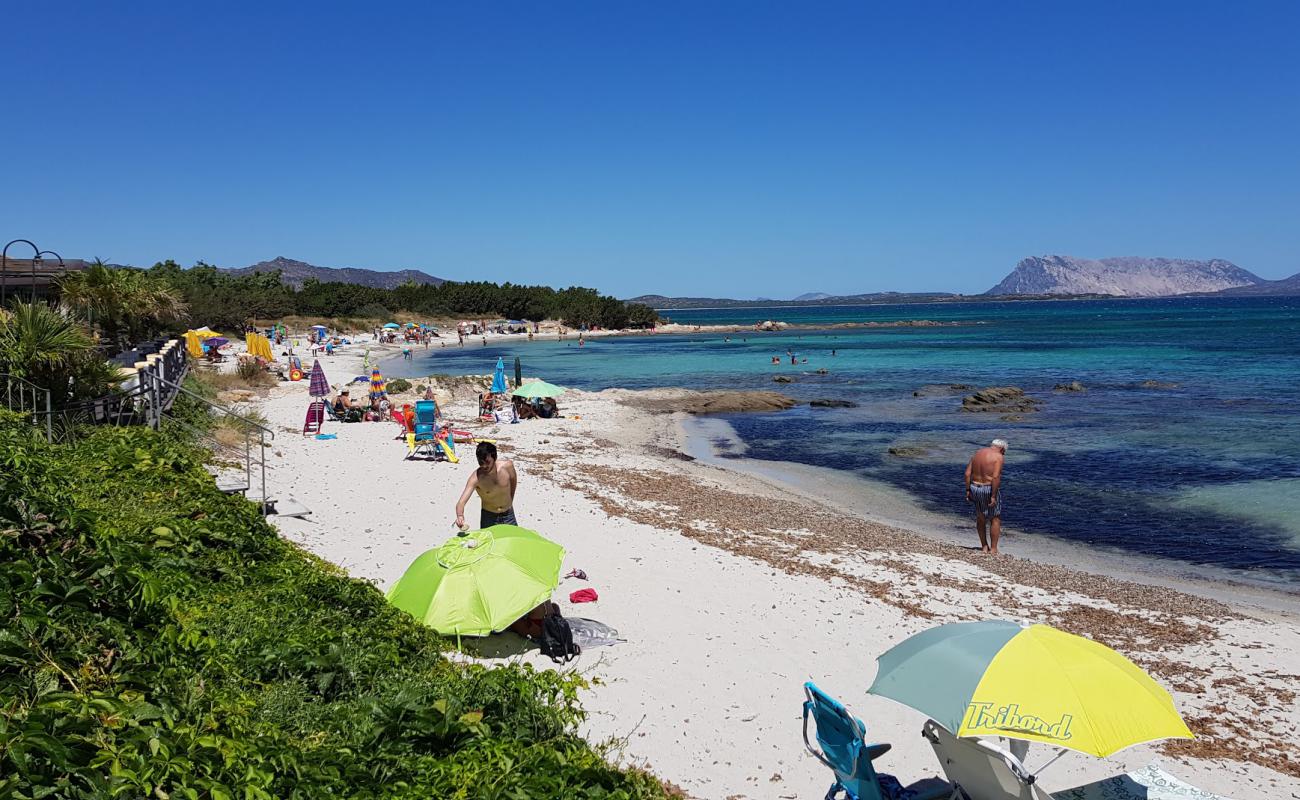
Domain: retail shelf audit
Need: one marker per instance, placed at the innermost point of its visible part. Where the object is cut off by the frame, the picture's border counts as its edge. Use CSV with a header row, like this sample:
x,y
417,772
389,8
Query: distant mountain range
x,y
295,273
660,301
1122,277
1050,276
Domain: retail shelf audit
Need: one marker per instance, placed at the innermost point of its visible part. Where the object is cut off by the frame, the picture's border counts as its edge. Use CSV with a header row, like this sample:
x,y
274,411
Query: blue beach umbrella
x,y
499,378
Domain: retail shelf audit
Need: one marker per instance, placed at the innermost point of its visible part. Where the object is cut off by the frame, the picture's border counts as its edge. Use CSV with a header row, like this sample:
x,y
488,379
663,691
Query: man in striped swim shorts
x,y
983,488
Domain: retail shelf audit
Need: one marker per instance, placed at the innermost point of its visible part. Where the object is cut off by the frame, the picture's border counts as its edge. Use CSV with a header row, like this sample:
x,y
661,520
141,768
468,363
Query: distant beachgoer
x,y
984,489
832,352
485,341
406,353
776,359
495,480
793,360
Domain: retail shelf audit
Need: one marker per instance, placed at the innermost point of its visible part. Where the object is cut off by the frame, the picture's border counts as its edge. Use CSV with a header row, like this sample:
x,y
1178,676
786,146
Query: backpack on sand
x,y
556,640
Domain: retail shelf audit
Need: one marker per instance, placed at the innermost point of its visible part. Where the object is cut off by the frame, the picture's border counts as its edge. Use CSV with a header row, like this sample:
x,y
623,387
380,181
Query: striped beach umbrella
x,y
1028,682
317,386
376,383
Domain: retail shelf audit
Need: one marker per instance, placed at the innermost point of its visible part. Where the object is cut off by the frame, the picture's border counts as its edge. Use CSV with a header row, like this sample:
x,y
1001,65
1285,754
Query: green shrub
x,y
249,370
399,385
160,640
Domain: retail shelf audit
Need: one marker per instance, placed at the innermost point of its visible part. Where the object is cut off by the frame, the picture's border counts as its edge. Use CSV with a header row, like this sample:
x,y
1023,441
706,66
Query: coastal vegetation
x,y
226,301
161,640
54,349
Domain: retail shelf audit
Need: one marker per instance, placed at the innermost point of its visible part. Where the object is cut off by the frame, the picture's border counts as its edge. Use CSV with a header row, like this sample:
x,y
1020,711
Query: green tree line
x,y
225,301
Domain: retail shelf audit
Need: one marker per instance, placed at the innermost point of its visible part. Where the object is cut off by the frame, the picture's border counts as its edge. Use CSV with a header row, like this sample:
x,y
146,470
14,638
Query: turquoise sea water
x,y
1201,466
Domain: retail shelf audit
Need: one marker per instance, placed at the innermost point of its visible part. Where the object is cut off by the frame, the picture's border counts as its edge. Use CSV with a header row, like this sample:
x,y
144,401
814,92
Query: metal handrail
x,y
262,433
26,385
217,406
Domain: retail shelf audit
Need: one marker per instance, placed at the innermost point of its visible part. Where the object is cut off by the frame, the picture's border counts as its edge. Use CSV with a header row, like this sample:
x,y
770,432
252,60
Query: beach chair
x,y
423,439
979,769
315,418
353,416
842,746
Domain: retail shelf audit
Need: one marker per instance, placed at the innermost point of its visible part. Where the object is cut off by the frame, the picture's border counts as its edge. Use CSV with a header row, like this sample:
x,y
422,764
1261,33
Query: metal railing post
x,y
261,449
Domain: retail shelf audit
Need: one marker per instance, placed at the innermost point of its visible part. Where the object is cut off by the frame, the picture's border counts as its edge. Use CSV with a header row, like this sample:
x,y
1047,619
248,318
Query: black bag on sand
x,y
556,640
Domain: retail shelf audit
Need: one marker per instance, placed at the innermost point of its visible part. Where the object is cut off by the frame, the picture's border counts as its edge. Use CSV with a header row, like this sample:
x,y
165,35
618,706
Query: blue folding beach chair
x,y
426,424
425,439
843,748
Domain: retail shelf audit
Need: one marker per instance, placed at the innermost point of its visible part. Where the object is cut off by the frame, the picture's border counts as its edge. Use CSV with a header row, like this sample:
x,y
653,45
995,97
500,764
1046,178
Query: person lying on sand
x,y
983,488
495,481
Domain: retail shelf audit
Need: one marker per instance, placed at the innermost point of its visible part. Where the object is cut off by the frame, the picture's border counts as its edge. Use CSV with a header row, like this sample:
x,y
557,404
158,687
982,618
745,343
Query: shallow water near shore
x,y
1185,444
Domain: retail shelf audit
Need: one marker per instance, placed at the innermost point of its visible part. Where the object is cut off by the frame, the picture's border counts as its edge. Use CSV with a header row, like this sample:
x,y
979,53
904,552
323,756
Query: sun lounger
x,y
842,746
1148,783
979,769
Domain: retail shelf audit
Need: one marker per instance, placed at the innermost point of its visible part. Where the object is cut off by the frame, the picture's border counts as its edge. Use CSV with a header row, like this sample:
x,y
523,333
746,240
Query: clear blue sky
x,y
704,148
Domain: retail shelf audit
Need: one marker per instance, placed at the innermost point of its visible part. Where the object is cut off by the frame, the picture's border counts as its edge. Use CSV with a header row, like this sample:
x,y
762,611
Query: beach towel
x,y
584,596
327,436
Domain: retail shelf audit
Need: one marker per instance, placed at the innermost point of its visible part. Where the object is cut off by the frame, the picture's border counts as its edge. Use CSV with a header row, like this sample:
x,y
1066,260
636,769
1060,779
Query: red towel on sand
x,y
584,596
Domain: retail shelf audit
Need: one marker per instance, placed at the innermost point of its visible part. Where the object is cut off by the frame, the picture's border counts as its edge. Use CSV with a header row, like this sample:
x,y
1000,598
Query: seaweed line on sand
x,y
1151,624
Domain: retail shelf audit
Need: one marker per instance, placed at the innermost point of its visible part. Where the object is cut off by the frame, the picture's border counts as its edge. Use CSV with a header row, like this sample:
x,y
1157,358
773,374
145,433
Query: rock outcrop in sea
x,y
667,401
1122,277
1000,399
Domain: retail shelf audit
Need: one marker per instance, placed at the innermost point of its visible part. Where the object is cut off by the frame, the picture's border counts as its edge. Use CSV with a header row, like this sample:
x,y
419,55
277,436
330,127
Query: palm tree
x,y
36,339
53,349
121,304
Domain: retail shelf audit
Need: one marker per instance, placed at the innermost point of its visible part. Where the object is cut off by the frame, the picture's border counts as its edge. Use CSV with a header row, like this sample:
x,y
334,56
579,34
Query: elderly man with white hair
x,y
984,489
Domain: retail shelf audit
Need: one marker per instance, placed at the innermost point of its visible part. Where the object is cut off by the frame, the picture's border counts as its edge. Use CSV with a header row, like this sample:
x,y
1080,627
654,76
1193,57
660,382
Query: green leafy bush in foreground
x,y
159,640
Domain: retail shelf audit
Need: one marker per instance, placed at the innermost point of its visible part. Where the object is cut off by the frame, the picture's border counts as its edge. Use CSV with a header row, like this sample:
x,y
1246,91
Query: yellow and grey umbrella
x,y
1030,682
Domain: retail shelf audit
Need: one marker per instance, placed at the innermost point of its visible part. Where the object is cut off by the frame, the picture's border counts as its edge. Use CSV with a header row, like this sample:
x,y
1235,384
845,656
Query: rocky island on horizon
x,y
1051,277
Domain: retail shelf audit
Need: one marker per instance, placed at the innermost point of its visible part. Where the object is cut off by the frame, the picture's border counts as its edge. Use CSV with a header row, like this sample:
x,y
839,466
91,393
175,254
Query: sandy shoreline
x,y
730,594
885,504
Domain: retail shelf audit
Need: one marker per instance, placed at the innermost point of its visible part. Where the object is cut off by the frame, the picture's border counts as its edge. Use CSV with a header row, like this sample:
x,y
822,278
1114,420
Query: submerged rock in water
x,y
716,402
941,389
1001,400
783,379
1072,386
825,403
1150,384
907,452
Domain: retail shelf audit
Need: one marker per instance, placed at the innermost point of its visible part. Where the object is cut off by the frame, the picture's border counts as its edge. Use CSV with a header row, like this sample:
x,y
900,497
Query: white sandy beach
x,y
730,596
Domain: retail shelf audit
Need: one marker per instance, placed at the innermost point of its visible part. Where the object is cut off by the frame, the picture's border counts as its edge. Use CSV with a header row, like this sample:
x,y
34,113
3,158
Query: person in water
x,y
984,489
495,481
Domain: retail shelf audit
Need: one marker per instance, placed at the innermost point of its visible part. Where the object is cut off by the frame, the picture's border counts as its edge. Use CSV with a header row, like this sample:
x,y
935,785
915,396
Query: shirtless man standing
x,y
495,482
983,488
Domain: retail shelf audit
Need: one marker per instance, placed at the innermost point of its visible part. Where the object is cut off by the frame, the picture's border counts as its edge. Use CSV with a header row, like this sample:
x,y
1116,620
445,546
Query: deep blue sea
x,y
1203,466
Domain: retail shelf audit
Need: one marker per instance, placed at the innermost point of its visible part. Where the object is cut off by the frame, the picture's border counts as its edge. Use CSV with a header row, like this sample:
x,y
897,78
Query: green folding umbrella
x,y
534,389
479,582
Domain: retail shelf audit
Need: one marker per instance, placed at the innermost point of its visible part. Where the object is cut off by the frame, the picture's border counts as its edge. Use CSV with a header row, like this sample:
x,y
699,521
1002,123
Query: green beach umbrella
x,y
478,582
534,389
